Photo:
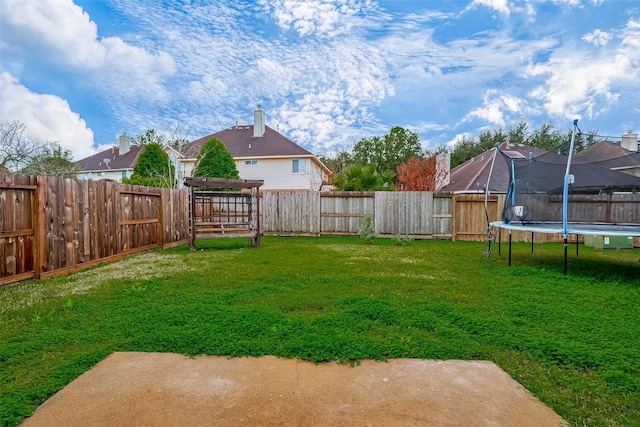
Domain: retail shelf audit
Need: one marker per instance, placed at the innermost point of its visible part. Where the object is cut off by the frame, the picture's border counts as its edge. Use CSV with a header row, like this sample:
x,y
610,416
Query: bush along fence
x,y
52,225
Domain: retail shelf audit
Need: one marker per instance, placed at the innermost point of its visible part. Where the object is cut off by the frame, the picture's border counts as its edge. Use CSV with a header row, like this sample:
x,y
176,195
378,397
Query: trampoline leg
x,y
499,241
509,248
532,242
577,239
565,256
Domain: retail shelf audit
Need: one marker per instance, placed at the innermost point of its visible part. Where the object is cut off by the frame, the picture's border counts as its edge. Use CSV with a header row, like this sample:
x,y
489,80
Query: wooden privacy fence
x,y
423,214
52,225
416,214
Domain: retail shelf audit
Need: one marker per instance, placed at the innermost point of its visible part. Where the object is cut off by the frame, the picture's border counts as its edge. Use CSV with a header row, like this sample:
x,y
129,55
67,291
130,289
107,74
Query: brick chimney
x,y
125,142
258,122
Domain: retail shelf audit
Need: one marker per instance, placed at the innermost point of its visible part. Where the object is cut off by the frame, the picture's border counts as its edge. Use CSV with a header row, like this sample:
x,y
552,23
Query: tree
x,y
429,173
387,152
515,135
16,148
548,137
173,137
364,178
215,161
418,174
52,161
151,136
464,149
154,168
467,147
338,163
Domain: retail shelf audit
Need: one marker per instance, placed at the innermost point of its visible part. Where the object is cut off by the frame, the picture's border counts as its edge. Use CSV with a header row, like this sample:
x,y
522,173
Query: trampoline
x,y
540,192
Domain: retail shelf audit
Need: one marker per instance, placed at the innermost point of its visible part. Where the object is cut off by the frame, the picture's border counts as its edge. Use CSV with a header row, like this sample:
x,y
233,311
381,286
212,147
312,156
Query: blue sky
x,y
327,72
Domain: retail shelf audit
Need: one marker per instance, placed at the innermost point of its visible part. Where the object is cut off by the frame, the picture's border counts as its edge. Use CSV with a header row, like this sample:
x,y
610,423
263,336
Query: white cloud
x,y
569,3
313,88
597,38
459,137
318,17
576,86
46,117
328,72
61,33
56,28
494,107
631,37
501,6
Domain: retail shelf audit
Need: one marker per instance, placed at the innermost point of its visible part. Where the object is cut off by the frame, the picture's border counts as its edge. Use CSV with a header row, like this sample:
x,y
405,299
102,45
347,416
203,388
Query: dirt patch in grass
x,y
138,267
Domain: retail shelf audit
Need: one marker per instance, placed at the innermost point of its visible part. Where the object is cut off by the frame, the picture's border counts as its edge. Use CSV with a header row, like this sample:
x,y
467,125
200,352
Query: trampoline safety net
x,y
537,185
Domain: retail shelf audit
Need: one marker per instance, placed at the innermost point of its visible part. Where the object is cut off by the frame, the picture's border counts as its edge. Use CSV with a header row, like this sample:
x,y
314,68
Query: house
x,y
622,157
115,163
260,152
472,175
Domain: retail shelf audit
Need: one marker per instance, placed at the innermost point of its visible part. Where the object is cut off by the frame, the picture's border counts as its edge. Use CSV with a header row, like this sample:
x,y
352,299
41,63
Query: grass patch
x,y
571,340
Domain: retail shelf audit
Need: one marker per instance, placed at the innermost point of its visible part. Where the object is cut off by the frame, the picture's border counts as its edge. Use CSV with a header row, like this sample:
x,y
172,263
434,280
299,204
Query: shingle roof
x,y
473,174
117,161
240,142
609,154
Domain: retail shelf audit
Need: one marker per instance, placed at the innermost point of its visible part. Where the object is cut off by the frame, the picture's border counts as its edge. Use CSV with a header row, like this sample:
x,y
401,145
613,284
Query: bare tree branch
x,y
16,148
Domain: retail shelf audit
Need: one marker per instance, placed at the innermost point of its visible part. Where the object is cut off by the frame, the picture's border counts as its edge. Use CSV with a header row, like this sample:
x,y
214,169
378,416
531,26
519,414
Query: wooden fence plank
x,y
342,212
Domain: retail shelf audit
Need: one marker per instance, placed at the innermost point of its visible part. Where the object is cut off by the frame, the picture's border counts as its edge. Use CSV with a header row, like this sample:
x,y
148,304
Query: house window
x,y
124,174
299,165
250,162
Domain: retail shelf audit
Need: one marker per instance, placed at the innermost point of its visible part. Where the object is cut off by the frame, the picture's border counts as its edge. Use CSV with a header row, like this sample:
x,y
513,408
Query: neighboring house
x,y
622,157
472,175
115,163
596,168
260,153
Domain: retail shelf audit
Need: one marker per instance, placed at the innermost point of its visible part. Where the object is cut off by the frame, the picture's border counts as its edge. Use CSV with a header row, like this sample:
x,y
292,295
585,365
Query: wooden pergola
x,y
216,212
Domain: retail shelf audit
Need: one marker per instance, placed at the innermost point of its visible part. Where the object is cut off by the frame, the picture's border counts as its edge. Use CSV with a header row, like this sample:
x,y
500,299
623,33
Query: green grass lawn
x,y
574,341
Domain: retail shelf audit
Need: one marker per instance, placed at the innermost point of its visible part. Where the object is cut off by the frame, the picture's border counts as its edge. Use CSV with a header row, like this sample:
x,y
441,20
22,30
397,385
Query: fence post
x,y
40,254
453,217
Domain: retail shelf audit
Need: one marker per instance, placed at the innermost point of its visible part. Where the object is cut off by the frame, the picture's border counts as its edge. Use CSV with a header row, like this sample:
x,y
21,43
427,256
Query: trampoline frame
x,y
572,228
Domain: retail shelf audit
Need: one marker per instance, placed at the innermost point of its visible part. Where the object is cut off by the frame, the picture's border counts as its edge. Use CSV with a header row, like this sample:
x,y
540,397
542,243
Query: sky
x,y
327,72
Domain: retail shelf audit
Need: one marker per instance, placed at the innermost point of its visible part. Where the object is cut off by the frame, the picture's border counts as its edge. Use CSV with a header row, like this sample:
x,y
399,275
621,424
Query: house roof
x,y
609,154
473,174
240,142
116,161
591,168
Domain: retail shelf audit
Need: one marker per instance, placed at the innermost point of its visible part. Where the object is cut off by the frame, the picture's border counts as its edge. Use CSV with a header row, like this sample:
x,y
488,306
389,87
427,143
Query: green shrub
x,y
215,161
400,240
153,169
368,229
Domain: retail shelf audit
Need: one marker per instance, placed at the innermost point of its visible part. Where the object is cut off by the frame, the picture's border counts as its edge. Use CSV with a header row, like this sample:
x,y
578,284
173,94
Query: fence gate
x,y
18,243
469,217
